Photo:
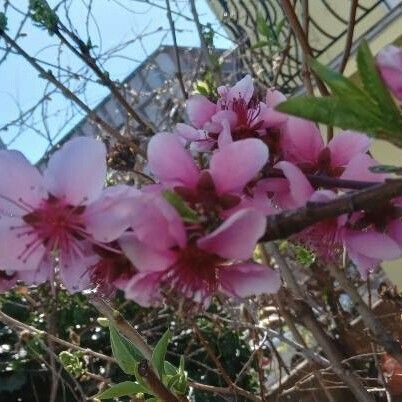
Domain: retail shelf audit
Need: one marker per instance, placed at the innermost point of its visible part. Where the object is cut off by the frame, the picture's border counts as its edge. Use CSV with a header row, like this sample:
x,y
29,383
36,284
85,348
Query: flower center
x,y
56,222
195,272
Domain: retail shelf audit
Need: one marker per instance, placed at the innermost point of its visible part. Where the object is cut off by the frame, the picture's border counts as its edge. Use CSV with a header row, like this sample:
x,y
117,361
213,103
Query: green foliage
x,y
188,214
386,169
72,363
126,388
304,256
159,353
43,15
126,354
270,33
3,22
370,109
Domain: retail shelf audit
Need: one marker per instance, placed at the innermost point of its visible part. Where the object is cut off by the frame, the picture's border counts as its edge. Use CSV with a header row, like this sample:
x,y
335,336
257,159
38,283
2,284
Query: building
x,y
327,22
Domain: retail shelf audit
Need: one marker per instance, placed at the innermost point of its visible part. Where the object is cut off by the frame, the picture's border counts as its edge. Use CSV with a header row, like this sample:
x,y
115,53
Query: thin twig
x,y
349,35
381,334
311,323
176,51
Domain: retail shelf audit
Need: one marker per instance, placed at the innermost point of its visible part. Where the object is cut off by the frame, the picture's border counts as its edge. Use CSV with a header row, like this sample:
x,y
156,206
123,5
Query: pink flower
x,y
193,261
303,145
389,63
220,186
64,211
235,116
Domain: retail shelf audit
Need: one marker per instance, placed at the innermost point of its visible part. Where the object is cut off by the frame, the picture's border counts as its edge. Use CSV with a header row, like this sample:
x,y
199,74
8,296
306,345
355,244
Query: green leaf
x,y
159,353
263,27
126,354
375,86
260,44
344,113
170,369
122,389
386,169
188,214
339,85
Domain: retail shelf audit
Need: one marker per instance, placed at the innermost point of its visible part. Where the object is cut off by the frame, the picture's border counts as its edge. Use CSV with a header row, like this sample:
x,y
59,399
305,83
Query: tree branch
x,y
291,222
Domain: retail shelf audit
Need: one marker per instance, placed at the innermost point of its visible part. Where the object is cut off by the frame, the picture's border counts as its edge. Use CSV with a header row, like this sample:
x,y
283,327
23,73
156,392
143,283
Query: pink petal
x,y
237,236
389,62
299,187
271,117
238,163
157,223
144,289
75,271
39,276
243,280
171,162
322,196
394,230
301,140
225,136
224,115
372,244
346,145
365,265
77,171
109,216
19,180
189,133
358,169
145,257
14,255
200,110
243,89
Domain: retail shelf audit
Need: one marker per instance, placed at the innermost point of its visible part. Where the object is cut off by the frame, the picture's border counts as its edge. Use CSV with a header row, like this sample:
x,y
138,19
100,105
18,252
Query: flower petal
x,y
75,271
242,89
301,141
20,249
389,62
300,189
109,216
358,169
157,223
242,280
233,166
144,289
346,145
145,257
77,171
372,244
19,180
237,236
271,117
200,110
171,162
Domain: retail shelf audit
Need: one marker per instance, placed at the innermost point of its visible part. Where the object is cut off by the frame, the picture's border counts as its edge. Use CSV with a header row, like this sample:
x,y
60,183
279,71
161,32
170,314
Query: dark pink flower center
x,y
55,225
196,271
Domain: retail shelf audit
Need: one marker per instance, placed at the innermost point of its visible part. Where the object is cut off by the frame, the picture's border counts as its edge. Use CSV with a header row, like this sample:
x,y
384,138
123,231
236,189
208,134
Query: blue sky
x,y
116,21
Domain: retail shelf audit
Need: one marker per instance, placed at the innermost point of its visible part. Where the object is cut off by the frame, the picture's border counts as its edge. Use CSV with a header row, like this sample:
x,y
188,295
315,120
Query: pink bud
x,y
389,62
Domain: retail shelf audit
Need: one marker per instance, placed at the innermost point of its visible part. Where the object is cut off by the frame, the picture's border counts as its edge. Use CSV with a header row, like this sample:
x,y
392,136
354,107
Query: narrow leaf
x,y
376,88
339,85
188,214
125,388
343,113
124,351
159,353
